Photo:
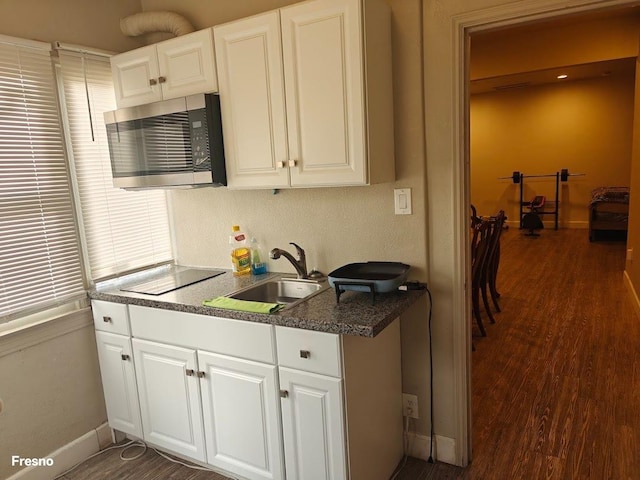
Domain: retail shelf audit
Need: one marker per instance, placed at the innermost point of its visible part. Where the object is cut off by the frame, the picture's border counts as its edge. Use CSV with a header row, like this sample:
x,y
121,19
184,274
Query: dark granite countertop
x,y
354,315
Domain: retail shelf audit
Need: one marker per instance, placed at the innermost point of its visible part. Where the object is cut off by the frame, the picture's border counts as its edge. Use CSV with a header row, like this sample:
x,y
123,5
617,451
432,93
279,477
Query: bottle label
x,y
258,268
239,238
241,260
244,262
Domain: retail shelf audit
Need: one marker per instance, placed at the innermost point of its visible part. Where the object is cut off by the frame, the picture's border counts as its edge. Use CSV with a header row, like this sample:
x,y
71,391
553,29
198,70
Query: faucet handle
x,y
300,250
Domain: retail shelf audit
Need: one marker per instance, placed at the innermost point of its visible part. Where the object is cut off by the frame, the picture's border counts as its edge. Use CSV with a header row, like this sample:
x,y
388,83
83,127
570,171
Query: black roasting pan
x,y
378,277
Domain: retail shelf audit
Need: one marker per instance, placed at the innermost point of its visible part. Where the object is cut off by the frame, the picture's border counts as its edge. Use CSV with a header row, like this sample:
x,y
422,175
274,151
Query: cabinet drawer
x,y
110,317
237,338
310,351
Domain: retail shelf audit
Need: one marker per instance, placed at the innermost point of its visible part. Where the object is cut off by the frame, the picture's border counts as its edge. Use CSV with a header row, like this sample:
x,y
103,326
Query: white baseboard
x,y
418,446
632,293
67,456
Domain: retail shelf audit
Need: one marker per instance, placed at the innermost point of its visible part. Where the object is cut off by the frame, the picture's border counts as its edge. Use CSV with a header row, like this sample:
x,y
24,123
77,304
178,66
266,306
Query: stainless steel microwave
x,y
173,143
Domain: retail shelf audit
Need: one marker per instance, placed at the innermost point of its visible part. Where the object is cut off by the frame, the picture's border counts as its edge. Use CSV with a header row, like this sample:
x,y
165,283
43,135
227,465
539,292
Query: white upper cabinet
x,y
304,101
322,50
174,68
187,65
249,56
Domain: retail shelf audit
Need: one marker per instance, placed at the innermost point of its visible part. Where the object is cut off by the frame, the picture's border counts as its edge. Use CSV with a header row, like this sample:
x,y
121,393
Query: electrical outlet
x,y
630,254
410,405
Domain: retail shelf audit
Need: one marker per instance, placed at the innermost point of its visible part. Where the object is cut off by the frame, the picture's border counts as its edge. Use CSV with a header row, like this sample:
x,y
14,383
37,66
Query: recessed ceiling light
x,y
562,77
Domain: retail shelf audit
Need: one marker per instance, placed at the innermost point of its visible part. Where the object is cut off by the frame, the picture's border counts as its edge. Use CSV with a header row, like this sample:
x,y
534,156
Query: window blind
x,y
123,230
39,251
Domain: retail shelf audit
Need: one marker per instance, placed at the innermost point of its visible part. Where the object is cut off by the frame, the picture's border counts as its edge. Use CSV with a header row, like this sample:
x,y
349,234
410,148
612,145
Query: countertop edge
x,y
378,316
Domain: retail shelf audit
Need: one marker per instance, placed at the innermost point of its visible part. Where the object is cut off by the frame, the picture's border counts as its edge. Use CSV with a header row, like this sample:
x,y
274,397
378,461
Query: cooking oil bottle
x,y
240,252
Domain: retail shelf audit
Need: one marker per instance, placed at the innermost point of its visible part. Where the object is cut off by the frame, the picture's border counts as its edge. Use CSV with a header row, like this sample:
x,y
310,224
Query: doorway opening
x,y
503,104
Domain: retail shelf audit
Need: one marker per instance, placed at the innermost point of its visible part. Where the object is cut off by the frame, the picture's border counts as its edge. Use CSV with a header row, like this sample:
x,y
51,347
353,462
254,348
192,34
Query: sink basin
x,y
287,291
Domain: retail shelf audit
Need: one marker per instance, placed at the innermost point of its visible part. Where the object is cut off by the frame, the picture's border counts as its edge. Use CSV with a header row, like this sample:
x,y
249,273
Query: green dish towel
x,y
243,305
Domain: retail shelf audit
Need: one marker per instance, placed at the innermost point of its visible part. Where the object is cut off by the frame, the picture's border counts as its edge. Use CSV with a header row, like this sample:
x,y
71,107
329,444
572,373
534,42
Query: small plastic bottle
x,y
240,253
258,265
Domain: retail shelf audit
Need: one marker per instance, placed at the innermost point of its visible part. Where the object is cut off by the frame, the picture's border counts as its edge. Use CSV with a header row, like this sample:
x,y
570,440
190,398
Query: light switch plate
x,y
402,201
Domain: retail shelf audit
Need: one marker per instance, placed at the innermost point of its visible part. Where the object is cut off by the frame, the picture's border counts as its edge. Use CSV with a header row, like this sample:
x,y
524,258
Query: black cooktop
x,y
172,281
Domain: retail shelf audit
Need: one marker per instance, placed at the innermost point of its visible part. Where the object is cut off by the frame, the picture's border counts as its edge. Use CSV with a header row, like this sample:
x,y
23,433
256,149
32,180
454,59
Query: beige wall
x,y
446,198
632,267
335,225
538,46
52,391
52,395
93,23
584,126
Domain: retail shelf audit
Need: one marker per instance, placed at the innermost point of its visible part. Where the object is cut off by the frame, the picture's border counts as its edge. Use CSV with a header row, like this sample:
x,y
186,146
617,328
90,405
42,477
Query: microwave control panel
x,y
199,140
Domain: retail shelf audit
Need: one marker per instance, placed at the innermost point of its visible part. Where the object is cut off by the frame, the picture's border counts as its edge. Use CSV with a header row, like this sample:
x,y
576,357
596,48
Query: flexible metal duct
x,y
150,22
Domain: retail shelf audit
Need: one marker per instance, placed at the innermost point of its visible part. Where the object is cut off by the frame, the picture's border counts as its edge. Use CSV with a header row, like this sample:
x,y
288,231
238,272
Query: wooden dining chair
x,y
494,262
479,254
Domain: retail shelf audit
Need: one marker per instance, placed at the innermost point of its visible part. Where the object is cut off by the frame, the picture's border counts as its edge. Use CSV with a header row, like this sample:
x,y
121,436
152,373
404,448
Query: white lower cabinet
x,y
169,393
313,426
119,382
341,399
206,391
250,399
240,405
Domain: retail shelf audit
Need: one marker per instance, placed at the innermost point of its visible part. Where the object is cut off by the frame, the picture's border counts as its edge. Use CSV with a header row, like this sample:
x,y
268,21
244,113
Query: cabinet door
x,y
313,426
187,65
241,416
119,383
252,101
323,69
135,77
170,397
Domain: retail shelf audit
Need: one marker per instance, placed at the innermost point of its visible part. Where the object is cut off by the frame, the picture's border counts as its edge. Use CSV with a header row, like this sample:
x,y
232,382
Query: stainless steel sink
x,y
288,291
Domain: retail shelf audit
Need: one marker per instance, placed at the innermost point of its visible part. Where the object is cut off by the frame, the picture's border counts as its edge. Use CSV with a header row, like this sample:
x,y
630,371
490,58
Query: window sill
x,y
20,334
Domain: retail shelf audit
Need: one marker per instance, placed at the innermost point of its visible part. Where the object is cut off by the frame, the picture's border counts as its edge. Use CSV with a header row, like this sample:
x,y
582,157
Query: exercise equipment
x,y
517,177
531,220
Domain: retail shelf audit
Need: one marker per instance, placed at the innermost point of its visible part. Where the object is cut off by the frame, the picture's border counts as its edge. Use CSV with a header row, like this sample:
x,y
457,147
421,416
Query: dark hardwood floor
x,y
151,466
556,383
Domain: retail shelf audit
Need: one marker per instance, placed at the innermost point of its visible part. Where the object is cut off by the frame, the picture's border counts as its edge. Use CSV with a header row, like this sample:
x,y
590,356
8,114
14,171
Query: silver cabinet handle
x,y
284,393
162,79
293,163
190,372
279,164
125,357
305,353
106,319
153,81
200,374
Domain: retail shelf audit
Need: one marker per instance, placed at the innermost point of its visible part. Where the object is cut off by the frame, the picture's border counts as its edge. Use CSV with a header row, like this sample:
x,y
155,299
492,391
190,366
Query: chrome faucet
x,y
300,264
